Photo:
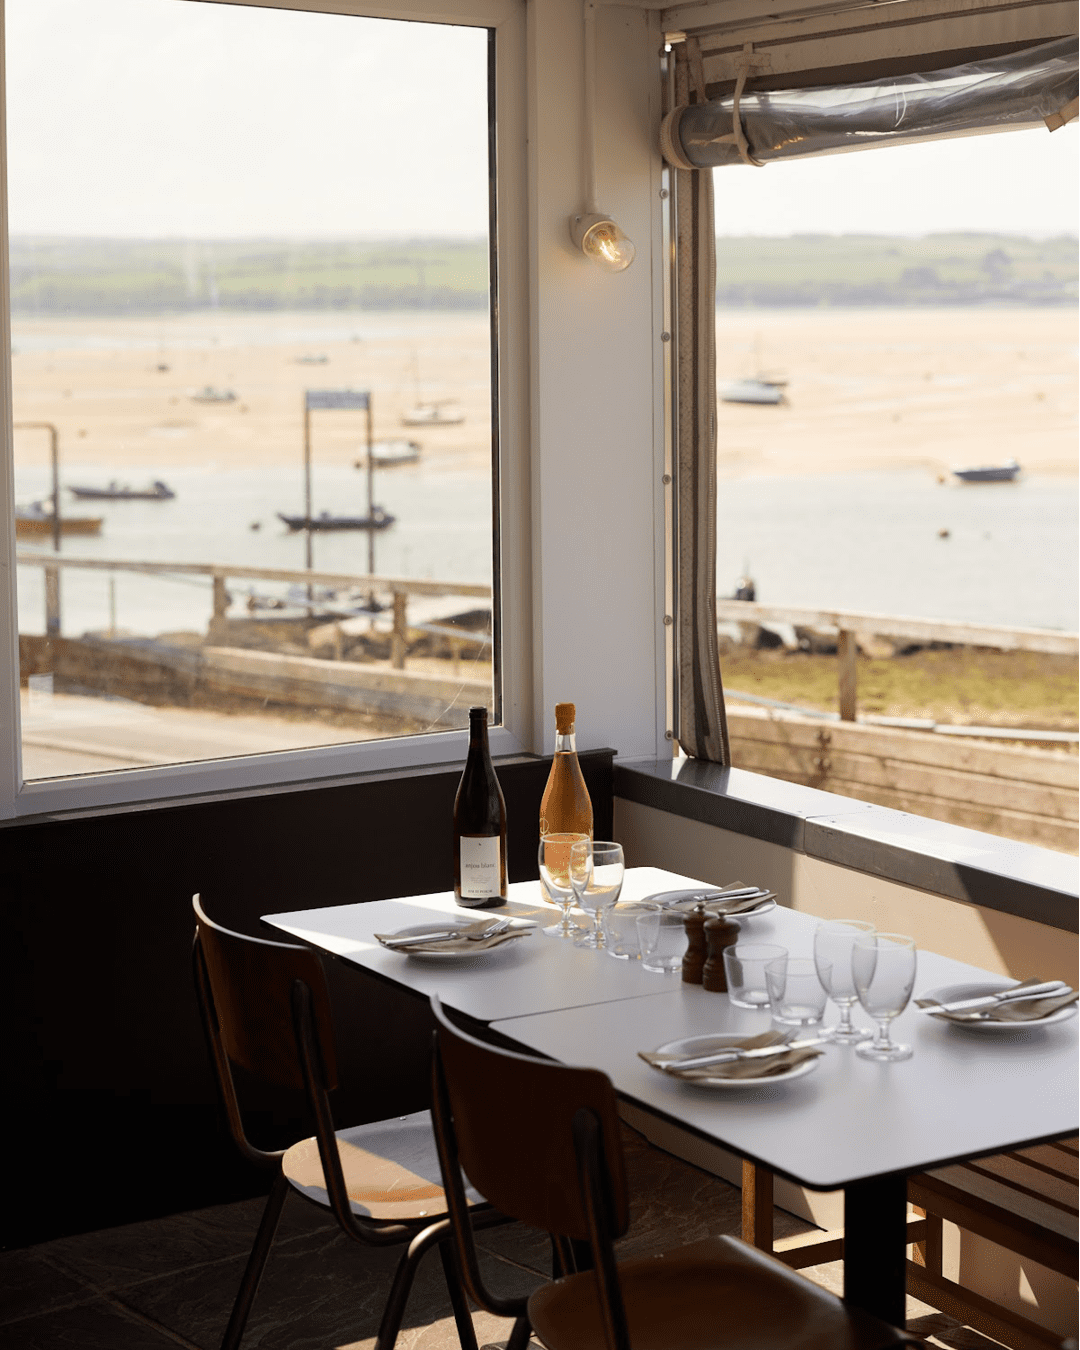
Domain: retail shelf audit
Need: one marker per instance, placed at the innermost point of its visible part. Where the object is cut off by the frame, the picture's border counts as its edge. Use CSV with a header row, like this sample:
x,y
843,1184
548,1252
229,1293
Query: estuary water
x,y
890,542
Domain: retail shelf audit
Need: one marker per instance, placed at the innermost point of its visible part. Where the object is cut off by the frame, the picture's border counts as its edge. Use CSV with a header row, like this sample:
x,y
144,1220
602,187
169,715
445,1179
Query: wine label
x,y
481,869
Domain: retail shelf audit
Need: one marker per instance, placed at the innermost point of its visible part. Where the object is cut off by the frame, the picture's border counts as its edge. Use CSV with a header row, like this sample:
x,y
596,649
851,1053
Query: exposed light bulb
x,y
601,240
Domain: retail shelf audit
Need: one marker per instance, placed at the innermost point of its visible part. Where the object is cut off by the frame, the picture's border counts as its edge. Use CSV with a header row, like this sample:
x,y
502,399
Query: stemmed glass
x,y
596,874
833,942
883,971
555,879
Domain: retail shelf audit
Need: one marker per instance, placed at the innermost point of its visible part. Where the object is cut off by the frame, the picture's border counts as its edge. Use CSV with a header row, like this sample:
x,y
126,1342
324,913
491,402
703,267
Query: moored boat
x,y
989,473
390,454
119,492
36,520
760,390
377,520
441,413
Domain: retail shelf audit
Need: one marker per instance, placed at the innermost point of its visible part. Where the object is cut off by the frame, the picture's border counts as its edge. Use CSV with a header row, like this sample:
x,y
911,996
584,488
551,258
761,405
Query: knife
x,y
1004,996
733,1053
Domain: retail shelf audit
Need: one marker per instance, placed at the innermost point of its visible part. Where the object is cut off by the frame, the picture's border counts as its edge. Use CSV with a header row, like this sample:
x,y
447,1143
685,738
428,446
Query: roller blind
x,y
800,44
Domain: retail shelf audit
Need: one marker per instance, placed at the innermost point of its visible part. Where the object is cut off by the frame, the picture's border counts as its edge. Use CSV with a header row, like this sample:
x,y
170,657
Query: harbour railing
x,y
399,589
850,625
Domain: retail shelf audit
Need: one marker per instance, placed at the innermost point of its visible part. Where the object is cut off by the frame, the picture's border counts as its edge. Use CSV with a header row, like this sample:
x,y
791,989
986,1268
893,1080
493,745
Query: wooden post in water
x,y
221,597
845,653
399,637
52,600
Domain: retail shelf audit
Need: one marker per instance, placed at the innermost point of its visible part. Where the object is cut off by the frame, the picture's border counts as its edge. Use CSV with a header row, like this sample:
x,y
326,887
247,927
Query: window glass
x,y
243,244
885,320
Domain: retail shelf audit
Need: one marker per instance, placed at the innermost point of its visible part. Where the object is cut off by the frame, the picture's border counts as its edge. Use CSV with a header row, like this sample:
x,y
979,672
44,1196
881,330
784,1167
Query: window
x,y
882,321
242,250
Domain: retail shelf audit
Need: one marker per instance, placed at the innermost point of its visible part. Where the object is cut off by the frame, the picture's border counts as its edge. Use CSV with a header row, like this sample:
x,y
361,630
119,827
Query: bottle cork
x,y
693,962
720,932
565,714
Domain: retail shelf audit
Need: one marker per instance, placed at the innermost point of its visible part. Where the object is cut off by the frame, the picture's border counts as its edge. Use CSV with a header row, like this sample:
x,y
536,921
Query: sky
x,y
148,118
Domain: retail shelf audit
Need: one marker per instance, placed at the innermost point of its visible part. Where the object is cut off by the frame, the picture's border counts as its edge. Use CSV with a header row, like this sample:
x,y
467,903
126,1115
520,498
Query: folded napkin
x,y
766,1067
460,942
1016,1010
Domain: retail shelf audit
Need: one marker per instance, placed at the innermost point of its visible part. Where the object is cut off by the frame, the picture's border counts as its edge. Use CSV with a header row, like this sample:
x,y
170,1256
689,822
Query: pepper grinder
x,y
719,933
693,962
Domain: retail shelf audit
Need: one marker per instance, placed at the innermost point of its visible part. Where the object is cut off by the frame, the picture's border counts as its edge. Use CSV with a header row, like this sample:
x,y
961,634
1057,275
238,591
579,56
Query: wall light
x,y
601,240
593,231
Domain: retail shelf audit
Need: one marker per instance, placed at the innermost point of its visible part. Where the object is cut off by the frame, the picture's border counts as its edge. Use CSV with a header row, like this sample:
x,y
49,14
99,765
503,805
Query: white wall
x,y
597,510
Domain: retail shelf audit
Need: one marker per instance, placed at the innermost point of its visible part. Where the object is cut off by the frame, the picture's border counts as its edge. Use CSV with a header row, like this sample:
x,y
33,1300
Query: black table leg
x,y
875,1241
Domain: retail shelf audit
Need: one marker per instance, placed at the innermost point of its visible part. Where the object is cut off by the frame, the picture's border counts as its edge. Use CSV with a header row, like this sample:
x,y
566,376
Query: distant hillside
x,y
881,270
52,277
119,276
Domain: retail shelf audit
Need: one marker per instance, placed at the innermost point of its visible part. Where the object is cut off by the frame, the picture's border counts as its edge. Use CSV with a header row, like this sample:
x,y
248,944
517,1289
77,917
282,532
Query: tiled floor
x,y
170,1282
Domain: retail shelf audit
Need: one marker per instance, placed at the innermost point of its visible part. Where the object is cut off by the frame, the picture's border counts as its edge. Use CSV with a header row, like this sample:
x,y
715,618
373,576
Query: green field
x,y
882,270
52,277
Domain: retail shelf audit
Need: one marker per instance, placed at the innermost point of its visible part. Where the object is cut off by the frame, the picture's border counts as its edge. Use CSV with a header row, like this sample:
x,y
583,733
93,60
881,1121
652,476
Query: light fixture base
x,y
601,240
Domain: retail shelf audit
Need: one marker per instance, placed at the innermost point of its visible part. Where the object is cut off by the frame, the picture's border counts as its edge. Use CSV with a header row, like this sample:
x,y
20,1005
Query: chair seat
x,y
718,1294
391,1169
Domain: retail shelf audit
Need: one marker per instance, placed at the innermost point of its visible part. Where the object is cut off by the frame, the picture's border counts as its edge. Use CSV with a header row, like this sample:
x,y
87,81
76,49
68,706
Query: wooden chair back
x,y
513,1119
251,983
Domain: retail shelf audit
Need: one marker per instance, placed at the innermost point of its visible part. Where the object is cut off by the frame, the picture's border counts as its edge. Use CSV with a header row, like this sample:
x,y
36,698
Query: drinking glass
x,y
596,874
662,935
744,968
796,994
555,879
620,925
883,971
833,942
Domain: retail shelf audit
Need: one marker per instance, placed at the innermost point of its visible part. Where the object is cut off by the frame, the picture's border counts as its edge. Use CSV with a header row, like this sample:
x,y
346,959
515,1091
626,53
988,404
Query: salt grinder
x,y
693,962
719,933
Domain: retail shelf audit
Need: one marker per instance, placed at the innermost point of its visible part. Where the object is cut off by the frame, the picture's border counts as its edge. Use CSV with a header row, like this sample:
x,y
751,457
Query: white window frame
x,y
514,660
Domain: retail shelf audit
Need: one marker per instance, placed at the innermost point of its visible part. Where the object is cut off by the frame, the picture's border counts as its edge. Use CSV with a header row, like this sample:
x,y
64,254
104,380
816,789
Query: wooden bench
x,y
1025,1202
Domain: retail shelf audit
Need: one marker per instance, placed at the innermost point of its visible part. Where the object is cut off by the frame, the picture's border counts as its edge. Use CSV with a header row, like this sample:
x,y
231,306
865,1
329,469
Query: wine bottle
x,y
565,807
479,825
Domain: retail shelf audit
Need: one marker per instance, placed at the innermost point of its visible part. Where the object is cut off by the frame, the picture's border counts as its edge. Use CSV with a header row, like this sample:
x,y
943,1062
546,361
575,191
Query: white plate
x,y
705,1045
417,930
953,993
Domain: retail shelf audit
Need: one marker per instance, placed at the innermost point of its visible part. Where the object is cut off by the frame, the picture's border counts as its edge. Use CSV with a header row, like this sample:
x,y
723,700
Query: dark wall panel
x,y
103,1048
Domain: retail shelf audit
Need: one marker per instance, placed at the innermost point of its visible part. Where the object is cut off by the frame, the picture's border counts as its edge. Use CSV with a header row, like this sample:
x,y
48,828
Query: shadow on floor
x,y
170,1282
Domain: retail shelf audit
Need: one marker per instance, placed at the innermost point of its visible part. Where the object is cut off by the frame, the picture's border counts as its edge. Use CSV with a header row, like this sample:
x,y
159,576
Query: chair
x,y
265,1007
551,1157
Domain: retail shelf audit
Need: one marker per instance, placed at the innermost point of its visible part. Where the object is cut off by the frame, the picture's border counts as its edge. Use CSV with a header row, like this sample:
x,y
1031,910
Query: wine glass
x,y
833,942
883,972
596,874
555,879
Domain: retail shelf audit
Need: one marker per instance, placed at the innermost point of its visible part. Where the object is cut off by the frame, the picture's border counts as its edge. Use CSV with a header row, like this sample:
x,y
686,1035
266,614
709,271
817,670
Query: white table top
x,y
531,975
963,1092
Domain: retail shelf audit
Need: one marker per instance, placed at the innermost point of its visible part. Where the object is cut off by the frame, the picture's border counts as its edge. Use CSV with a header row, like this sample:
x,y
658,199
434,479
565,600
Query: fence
x,y
399,589
850,625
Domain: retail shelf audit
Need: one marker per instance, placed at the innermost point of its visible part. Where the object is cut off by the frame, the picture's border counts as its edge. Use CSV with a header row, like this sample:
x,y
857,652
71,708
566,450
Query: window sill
x,y
967,865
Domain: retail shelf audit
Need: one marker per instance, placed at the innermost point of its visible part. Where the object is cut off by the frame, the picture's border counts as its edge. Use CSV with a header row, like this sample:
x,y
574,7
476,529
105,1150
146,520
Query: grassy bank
x,y
962,686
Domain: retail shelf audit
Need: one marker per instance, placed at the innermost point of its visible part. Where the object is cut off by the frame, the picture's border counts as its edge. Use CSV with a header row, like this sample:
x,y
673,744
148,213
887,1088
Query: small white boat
x,y
389,454
208,394
439,413
762,389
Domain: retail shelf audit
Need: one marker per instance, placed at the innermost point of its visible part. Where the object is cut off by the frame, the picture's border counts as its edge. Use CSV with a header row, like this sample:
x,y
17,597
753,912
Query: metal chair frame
x,y
316,1062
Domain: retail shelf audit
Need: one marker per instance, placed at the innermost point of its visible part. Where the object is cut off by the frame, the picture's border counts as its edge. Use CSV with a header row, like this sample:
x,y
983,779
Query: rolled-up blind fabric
x,y
701,726
1019,89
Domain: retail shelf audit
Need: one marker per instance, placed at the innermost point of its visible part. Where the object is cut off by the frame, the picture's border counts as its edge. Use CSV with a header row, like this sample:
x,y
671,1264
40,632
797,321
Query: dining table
x,y
846,1123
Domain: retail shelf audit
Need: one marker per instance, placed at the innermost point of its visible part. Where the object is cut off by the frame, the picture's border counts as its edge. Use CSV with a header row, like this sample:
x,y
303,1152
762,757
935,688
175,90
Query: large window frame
x,y
505,21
